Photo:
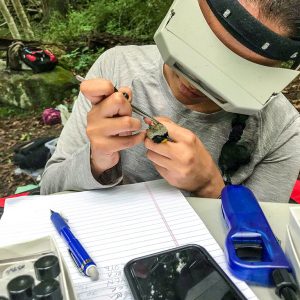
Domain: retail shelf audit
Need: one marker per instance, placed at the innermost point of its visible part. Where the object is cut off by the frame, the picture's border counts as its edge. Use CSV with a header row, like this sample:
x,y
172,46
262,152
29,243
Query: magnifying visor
x,y
189,46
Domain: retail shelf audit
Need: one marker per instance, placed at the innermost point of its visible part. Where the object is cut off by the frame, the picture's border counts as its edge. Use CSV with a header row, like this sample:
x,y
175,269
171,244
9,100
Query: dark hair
x,y
286,13
235,152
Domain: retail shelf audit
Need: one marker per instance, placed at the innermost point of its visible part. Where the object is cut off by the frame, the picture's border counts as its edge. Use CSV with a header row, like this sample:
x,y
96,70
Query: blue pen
x,y
81,258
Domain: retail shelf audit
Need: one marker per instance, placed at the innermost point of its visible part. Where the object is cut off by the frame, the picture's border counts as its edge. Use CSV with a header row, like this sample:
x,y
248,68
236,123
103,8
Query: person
x,y
104,143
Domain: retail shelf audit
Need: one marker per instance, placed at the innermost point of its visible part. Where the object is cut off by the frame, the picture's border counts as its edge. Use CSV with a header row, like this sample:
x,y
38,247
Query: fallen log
x,y
6,42
108,40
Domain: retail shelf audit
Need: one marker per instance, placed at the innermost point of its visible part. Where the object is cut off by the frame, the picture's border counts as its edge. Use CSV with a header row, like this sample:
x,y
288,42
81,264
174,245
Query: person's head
x,y
280,16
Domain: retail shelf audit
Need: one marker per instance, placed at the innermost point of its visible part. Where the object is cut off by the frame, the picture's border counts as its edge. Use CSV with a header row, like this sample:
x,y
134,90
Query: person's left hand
x,y
184,162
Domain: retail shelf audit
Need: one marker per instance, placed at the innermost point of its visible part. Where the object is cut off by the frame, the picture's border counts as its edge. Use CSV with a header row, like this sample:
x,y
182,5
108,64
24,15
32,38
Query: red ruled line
x,y
162,216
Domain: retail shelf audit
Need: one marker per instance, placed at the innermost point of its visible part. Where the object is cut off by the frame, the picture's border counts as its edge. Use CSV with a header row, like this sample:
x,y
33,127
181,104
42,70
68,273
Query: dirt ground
x,y
15,130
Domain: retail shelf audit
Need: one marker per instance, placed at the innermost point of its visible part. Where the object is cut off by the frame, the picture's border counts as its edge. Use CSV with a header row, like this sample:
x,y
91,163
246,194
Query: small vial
x,y
21,288
48,290
47,267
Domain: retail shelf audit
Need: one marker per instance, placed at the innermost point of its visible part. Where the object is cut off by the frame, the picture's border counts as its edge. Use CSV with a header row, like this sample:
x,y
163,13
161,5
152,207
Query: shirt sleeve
x,y
69,167
273,179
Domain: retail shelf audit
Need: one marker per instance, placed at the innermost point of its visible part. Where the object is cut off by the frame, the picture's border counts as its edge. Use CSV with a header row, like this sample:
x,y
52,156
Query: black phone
x,y
183,273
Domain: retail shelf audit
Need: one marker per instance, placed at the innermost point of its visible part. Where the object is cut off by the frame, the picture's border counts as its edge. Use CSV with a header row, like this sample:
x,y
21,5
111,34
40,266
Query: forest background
x,y
77,32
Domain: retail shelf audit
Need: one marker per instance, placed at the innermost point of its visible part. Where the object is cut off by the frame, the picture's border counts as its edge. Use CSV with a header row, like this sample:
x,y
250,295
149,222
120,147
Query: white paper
x,y
114,225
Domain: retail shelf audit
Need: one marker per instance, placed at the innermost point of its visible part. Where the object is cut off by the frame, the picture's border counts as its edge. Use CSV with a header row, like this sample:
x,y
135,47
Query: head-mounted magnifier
x,y
189,46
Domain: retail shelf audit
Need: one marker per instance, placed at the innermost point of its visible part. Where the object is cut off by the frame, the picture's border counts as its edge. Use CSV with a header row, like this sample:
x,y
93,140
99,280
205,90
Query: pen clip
x,y
60,214
64,217
76,265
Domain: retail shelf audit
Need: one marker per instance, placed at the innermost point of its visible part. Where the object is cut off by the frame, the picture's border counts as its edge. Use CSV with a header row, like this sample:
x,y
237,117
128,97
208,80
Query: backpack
x,y
38,60
33,154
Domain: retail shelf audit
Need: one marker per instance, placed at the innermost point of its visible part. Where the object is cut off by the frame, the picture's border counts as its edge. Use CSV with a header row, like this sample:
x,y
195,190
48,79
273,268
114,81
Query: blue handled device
x,y
252,250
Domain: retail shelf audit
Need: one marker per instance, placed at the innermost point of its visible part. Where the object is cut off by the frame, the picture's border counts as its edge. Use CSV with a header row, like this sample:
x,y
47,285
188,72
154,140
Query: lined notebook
x,y
115,226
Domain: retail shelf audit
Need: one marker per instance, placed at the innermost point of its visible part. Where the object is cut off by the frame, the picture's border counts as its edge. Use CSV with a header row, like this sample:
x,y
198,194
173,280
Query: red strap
x,y
51,55
30,57
296,192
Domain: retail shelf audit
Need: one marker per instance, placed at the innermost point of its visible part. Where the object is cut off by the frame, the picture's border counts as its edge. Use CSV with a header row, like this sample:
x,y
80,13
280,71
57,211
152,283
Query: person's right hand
x,y
109,123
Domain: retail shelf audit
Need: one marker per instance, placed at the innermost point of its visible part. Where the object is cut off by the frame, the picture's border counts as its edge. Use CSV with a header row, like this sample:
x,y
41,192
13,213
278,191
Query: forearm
x,y
69,167
74,173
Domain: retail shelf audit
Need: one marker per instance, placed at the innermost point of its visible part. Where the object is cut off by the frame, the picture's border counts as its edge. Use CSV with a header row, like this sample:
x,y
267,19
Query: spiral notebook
x,y
115,226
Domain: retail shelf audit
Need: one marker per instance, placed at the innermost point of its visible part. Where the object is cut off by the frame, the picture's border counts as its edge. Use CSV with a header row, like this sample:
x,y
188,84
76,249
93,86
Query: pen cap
x,y
21,288
48,290
47,267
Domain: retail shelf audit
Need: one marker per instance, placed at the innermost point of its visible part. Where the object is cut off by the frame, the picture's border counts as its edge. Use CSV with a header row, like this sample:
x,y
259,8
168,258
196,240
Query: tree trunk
x,y
51,6
10,21
23,18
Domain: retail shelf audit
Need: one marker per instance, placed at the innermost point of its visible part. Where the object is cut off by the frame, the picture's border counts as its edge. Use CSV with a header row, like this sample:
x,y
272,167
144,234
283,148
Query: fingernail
x,y
126,95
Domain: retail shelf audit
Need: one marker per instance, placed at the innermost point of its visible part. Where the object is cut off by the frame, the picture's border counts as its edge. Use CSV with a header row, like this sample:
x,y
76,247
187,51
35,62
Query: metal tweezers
x,y
140,111
143,114
134,108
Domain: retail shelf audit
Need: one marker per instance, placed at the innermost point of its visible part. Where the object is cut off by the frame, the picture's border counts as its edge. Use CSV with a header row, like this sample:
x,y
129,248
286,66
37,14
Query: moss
x,y
28,90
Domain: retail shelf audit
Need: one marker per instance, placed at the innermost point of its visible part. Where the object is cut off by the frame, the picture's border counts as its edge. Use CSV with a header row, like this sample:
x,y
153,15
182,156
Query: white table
x,y
209,210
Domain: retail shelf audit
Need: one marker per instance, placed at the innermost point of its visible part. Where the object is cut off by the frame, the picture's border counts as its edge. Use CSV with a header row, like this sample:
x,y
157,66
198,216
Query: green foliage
x,y
80,60
10,111
135,18
72,28
286,64
25,137
132,18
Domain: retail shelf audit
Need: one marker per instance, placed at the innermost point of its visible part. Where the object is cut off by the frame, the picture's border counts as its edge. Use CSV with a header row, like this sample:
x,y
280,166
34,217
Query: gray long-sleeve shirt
x,y
273,132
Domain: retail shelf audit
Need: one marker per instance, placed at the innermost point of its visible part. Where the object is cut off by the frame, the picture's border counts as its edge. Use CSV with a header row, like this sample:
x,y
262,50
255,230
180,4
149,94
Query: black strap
x,y
252,33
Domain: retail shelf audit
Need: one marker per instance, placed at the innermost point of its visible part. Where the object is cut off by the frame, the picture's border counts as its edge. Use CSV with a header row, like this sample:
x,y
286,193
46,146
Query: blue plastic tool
x,y
252,249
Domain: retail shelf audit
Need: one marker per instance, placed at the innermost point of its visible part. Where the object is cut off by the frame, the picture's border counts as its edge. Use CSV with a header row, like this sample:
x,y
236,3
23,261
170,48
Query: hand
x,y
185,163
109,123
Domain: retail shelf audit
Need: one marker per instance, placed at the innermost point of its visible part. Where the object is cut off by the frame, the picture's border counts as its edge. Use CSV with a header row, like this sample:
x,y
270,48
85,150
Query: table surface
x,y
209,210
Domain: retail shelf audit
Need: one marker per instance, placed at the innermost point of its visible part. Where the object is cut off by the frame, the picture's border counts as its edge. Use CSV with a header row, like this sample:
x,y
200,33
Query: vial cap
x,y
47,267
47,290
20,288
